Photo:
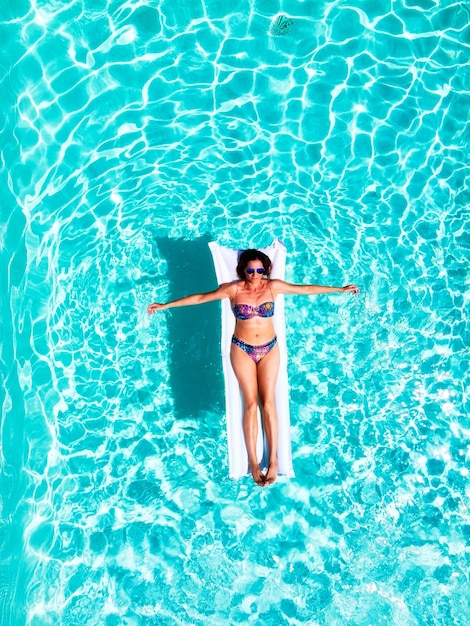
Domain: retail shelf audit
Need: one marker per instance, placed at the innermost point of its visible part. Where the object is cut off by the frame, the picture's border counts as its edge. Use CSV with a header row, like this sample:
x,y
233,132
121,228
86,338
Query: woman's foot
x,y
258,475
271,474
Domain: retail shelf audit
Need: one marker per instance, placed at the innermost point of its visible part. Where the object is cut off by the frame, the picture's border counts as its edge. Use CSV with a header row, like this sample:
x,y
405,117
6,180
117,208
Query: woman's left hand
x,y
354,289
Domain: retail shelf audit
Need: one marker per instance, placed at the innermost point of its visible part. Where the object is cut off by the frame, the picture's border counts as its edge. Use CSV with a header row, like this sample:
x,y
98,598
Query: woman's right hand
x,y
156,306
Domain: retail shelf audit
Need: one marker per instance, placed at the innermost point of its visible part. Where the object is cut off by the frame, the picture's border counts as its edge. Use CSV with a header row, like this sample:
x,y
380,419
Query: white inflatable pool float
x,y
225,262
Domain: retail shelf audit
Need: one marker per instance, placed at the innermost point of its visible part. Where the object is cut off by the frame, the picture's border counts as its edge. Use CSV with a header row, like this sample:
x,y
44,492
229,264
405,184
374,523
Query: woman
x,y
254,352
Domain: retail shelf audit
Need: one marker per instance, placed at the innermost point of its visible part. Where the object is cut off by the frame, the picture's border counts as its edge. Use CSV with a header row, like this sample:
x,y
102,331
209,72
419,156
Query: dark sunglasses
x,y
252,270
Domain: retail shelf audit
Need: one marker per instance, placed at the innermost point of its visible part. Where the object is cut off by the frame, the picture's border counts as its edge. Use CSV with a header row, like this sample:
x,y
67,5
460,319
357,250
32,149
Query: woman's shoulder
x,y
230,289
275,285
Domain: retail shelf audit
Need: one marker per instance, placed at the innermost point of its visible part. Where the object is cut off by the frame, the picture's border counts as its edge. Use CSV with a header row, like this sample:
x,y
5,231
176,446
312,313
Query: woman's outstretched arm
x,y
224,291
310,290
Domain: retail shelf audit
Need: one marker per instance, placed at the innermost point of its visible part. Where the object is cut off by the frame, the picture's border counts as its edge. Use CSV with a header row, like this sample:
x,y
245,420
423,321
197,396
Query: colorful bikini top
x,y
248,312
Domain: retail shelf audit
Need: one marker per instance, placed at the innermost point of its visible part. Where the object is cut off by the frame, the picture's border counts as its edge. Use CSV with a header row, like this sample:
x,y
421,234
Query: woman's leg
x,y
268,369
245,371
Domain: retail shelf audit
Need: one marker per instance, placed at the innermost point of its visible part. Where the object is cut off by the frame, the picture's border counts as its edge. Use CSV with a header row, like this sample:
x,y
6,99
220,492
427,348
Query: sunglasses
x,y
252,270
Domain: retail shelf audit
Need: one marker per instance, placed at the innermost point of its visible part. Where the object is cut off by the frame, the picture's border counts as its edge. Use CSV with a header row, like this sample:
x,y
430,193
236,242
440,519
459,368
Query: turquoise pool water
x,y
132,134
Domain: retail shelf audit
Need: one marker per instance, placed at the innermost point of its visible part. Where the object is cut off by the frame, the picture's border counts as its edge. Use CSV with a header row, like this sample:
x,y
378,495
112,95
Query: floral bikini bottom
x,y
255,352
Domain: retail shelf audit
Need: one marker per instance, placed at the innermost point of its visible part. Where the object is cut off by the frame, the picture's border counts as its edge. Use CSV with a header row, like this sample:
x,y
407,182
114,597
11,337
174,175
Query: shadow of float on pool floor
x,y
194,332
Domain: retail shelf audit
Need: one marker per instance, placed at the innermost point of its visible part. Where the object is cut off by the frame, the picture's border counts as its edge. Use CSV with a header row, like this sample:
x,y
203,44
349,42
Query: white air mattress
x,y
225,262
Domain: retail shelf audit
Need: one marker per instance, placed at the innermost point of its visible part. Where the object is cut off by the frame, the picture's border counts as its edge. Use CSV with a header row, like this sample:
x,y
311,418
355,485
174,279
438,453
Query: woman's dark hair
x,y
252,255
